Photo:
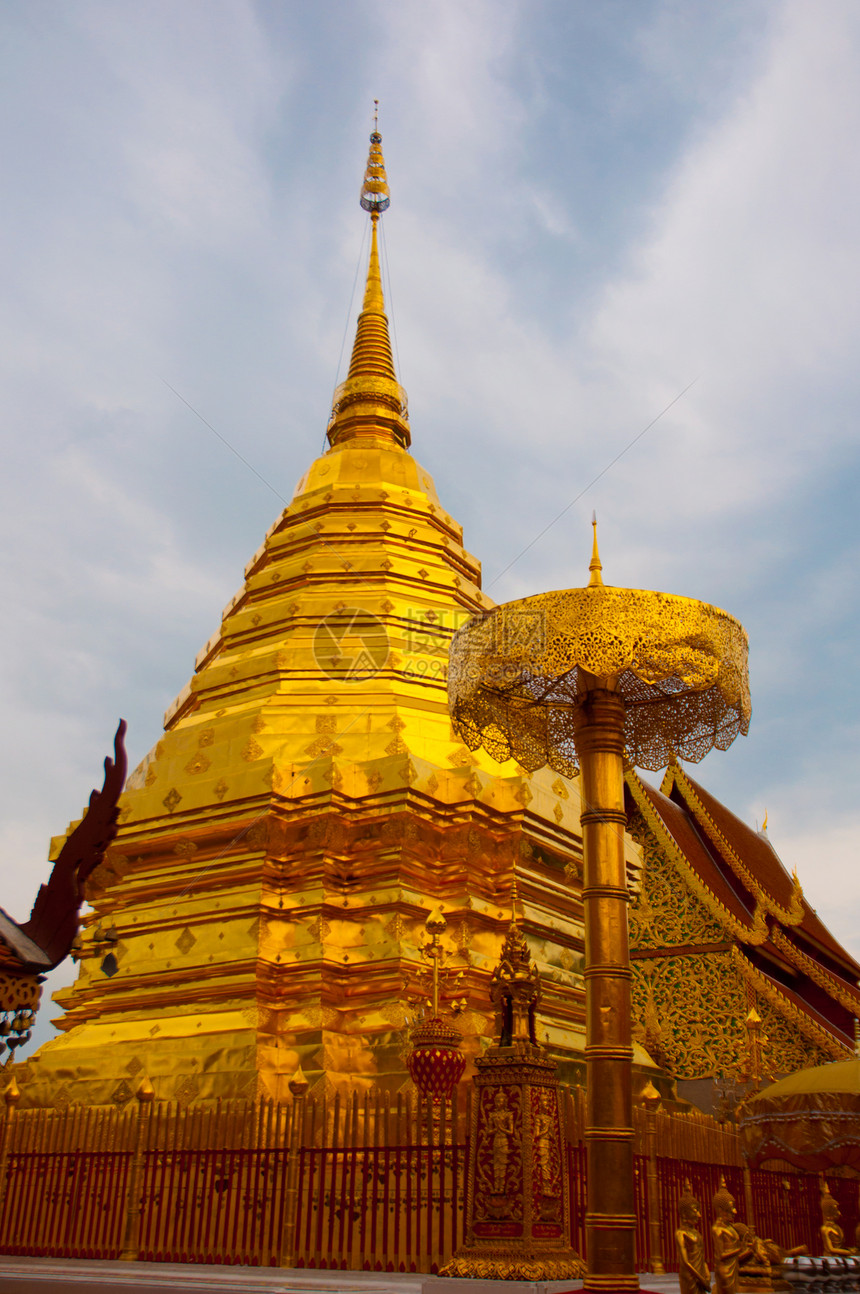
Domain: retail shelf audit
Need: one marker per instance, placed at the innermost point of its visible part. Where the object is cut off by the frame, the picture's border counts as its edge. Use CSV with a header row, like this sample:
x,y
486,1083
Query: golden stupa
x,y
263,905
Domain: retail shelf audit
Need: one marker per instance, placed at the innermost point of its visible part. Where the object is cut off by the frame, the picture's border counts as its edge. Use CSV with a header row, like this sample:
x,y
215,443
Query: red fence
x,y
361,1184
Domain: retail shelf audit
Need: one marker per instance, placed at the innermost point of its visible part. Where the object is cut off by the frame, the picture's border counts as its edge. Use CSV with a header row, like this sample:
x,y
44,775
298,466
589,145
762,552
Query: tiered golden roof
x,y
309,803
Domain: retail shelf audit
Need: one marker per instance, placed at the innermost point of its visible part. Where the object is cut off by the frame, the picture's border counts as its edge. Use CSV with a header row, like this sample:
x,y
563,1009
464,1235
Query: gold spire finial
x,y
371,402
375,197
764,824
514,897
596,581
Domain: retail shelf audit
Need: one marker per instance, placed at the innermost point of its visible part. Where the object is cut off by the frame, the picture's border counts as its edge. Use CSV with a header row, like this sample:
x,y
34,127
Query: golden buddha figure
x,y
693,1274
832,1237
729,1250
763,1260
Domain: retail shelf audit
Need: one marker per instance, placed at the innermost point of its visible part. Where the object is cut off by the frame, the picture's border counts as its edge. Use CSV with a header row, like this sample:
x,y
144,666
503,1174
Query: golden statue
x,y
502,1128
763,1260
729,1249
693,1274
544,1125
832,1237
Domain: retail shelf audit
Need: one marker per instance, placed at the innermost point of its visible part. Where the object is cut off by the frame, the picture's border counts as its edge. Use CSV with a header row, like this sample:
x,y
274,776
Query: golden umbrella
x,y
579,679
811,1119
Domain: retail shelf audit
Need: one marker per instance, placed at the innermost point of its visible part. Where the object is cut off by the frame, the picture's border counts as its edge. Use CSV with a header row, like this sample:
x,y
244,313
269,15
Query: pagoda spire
x,y
371,402
595,566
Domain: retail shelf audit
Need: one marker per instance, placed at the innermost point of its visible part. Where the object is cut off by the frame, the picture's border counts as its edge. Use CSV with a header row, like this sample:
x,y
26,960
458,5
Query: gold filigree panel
x,y
689,1013
784,1047
666,913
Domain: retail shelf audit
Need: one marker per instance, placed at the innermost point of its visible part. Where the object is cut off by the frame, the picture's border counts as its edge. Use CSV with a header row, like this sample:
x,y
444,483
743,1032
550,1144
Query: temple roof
x,y
781,944
749,853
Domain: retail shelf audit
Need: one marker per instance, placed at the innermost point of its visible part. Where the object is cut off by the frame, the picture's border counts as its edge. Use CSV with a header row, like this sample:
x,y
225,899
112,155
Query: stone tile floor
x,y
53,1275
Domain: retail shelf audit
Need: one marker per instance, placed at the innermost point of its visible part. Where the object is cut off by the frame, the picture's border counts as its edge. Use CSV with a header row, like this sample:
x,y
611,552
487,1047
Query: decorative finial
x,y
650,1097
145,1092
371,402
764,824
596,581
375,197
298,1084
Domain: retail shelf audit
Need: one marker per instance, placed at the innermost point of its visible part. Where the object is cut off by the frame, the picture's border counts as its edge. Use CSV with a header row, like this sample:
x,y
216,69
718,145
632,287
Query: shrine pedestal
x,y
517,1194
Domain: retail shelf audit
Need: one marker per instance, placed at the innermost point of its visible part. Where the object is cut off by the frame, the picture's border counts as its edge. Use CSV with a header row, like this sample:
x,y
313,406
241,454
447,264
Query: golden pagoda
x,y
263,906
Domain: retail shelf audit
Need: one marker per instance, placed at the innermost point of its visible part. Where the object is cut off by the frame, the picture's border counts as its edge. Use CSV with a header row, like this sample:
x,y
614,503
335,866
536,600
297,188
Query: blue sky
x,y
593,206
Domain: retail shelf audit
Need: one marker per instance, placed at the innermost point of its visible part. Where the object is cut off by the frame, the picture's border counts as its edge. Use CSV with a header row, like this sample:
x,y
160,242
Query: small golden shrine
x,y
517,1197
279,848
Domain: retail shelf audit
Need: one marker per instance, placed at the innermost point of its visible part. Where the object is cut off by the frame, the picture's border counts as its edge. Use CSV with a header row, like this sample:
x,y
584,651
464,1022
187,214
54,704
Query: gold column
x,y
610,1220
11,1097
650,1098
296,1131
130,1251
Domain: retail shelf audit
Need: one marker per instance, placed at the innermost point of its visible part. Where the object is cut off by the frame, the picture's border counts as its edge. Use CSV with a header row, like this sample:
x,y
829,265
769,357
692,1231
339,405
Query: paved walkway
x,y
52,1275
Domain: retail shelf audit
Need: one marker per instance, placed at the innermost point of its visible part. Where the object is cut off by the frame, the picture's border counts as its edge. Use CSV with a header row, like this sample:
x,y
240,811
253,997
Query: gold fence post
x,y
11,1097
299,1088
130,1251
650,1098
748,1196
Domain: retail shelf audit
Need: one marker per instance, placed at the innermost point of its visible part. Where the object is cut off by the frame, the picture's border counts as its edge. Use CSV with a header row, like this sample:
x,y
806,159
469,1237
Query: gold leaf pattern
x,y
121,1094
666,913
323,745
187,1090
673,1004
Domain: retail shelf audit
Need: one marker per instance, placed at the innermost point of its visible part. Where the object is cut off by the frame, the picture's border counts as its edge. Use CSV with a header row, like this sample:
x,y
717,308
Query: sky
x,y
622,259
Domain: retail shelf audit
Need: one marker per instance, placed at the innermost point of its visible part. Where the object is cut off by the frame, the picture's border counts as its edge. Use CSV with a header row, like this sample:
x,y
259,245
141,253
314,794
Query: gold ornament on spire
x,y
375,197
371,402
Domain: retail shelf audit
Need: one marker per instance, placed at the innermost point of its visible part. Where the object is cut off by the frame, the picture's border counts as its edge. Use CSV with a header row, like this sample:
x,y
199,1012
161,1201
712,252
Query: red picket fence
x,y
370,1183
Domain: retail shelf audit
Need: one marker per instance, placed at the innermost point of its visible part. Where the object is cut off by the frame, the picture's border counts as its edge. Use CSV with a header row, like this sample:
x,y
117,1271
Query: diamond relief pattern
x,y
185,942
